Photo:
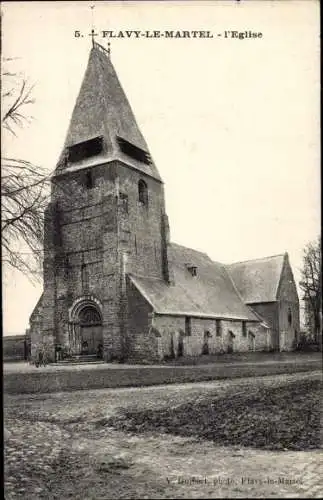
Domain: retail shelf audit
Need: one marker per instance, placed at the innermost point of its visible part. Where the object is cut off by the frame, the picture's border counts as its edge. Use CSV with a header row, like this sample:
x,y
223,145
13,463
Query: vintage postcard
x,y
161,258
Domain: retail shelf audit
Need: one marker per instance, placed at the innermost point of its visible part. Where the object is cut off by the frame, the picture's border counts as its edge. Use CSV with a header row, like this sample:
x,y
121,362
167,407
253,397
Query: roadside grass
x,y
273,418
243,357
74,378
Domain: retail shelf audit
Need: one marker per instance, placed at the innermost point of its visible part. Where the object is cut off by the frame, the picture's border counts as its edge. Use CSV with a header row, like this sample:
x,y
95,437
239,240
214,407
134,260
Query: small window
x,y
124,201
192,269
88,180
289,317
244,329
218,327
143,192
188,326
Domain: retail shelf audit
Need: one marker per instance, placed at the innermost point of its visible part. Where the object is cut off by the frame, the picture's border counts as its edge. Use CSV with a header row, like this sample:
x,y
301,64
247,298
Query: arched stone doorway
x,y
86,336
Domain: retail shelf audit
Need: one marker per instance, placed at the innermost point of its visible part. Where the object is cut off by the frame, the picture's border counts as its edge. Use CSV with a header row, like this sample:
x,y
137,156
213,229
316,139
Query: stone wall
x,y
46,324
270,312
93,238
263,337
87,233
141,225
41,340
204,332
283,315
140,341
289,324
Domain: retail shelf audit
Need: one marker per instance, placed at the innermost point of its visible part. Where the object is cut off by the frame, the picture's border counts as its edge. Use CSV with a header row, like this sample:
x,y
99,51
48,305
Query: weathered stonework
x,y
114,285
268,287
204,332
288,303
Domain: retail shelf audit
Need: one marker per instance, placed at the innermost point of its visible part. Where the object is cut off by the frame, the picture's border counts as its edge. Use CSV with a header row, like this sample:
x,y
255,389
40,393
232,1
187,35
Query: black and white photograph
x,y
161,249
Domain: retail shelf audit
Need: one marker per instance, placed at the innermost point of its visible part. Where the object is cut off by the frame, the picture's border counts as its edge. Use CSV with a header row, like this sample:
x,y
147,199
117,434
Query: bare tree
x,y
24,185
311,285
16,96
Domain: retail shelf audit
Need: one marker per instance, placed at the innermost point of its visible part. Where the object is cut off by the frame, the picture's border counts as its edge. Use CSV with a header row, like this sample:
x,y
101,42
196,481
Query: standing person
x,y
40,358
99,351
85,347
58,353
44,358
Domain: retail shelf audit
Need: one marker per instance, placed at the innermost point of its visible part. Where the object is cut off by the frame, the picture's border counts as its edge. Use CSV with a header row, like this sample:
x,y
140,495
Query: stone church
x,y
115,286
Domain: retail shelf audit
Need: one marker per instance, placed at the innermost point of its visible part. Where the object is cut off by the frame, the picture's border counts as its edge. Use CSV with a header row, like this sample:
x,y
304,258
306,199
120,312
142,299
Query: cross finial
x,y
92,34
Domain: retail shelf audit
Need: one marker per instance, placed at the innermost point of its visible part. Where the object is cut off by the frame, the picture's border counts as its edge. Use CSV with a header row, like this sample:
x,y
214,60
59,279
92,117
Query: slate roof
x,y
102,109
210,294
218,290
258,280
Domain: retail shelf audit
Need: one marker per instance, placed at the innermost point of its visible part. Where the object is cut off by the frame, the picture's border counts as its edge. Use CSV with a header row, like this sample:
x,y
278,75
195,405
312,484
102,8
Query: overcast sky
x,y
233,125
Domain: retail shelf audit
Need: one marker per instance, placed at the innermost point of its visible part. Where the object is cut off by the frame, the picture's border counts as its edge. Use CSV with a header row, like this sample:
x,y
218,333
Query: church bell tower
x,y
106,219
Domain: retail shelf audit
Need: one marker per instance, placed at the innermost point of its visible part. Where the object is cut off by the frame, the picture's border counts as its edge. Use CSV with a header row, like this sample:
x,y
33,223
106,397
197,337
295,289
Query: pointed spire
x,y
102,110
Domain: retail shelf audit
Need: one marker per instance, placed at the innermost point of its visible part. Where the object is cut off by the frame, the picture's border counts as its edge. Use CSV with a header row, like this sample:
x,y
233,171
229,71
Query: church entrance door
x,y
91,338
91,331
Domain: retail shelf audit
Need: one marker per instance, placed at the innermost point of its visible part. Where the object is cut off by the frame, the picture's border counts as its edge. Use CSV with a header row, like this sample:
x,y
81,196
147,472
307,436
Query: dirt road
x,y
60,447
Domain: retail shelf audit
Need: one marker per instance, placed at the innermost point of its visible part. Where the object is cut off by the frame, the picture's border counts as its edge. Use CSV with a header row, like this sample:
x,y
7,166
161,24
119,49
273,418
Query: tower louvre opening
x,y
133,151
85,149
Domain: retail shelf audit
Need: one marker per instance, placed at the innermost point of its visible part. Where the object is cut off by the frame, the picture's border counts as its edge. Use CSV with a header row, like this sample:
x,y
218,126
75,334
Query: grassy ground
x,y
97,445
23,379
245,357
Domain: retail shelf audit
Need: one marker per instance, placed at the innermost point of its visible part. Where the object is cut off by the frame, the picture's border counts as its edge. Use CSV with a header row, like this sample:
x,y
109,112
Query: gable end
x,y
287,289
